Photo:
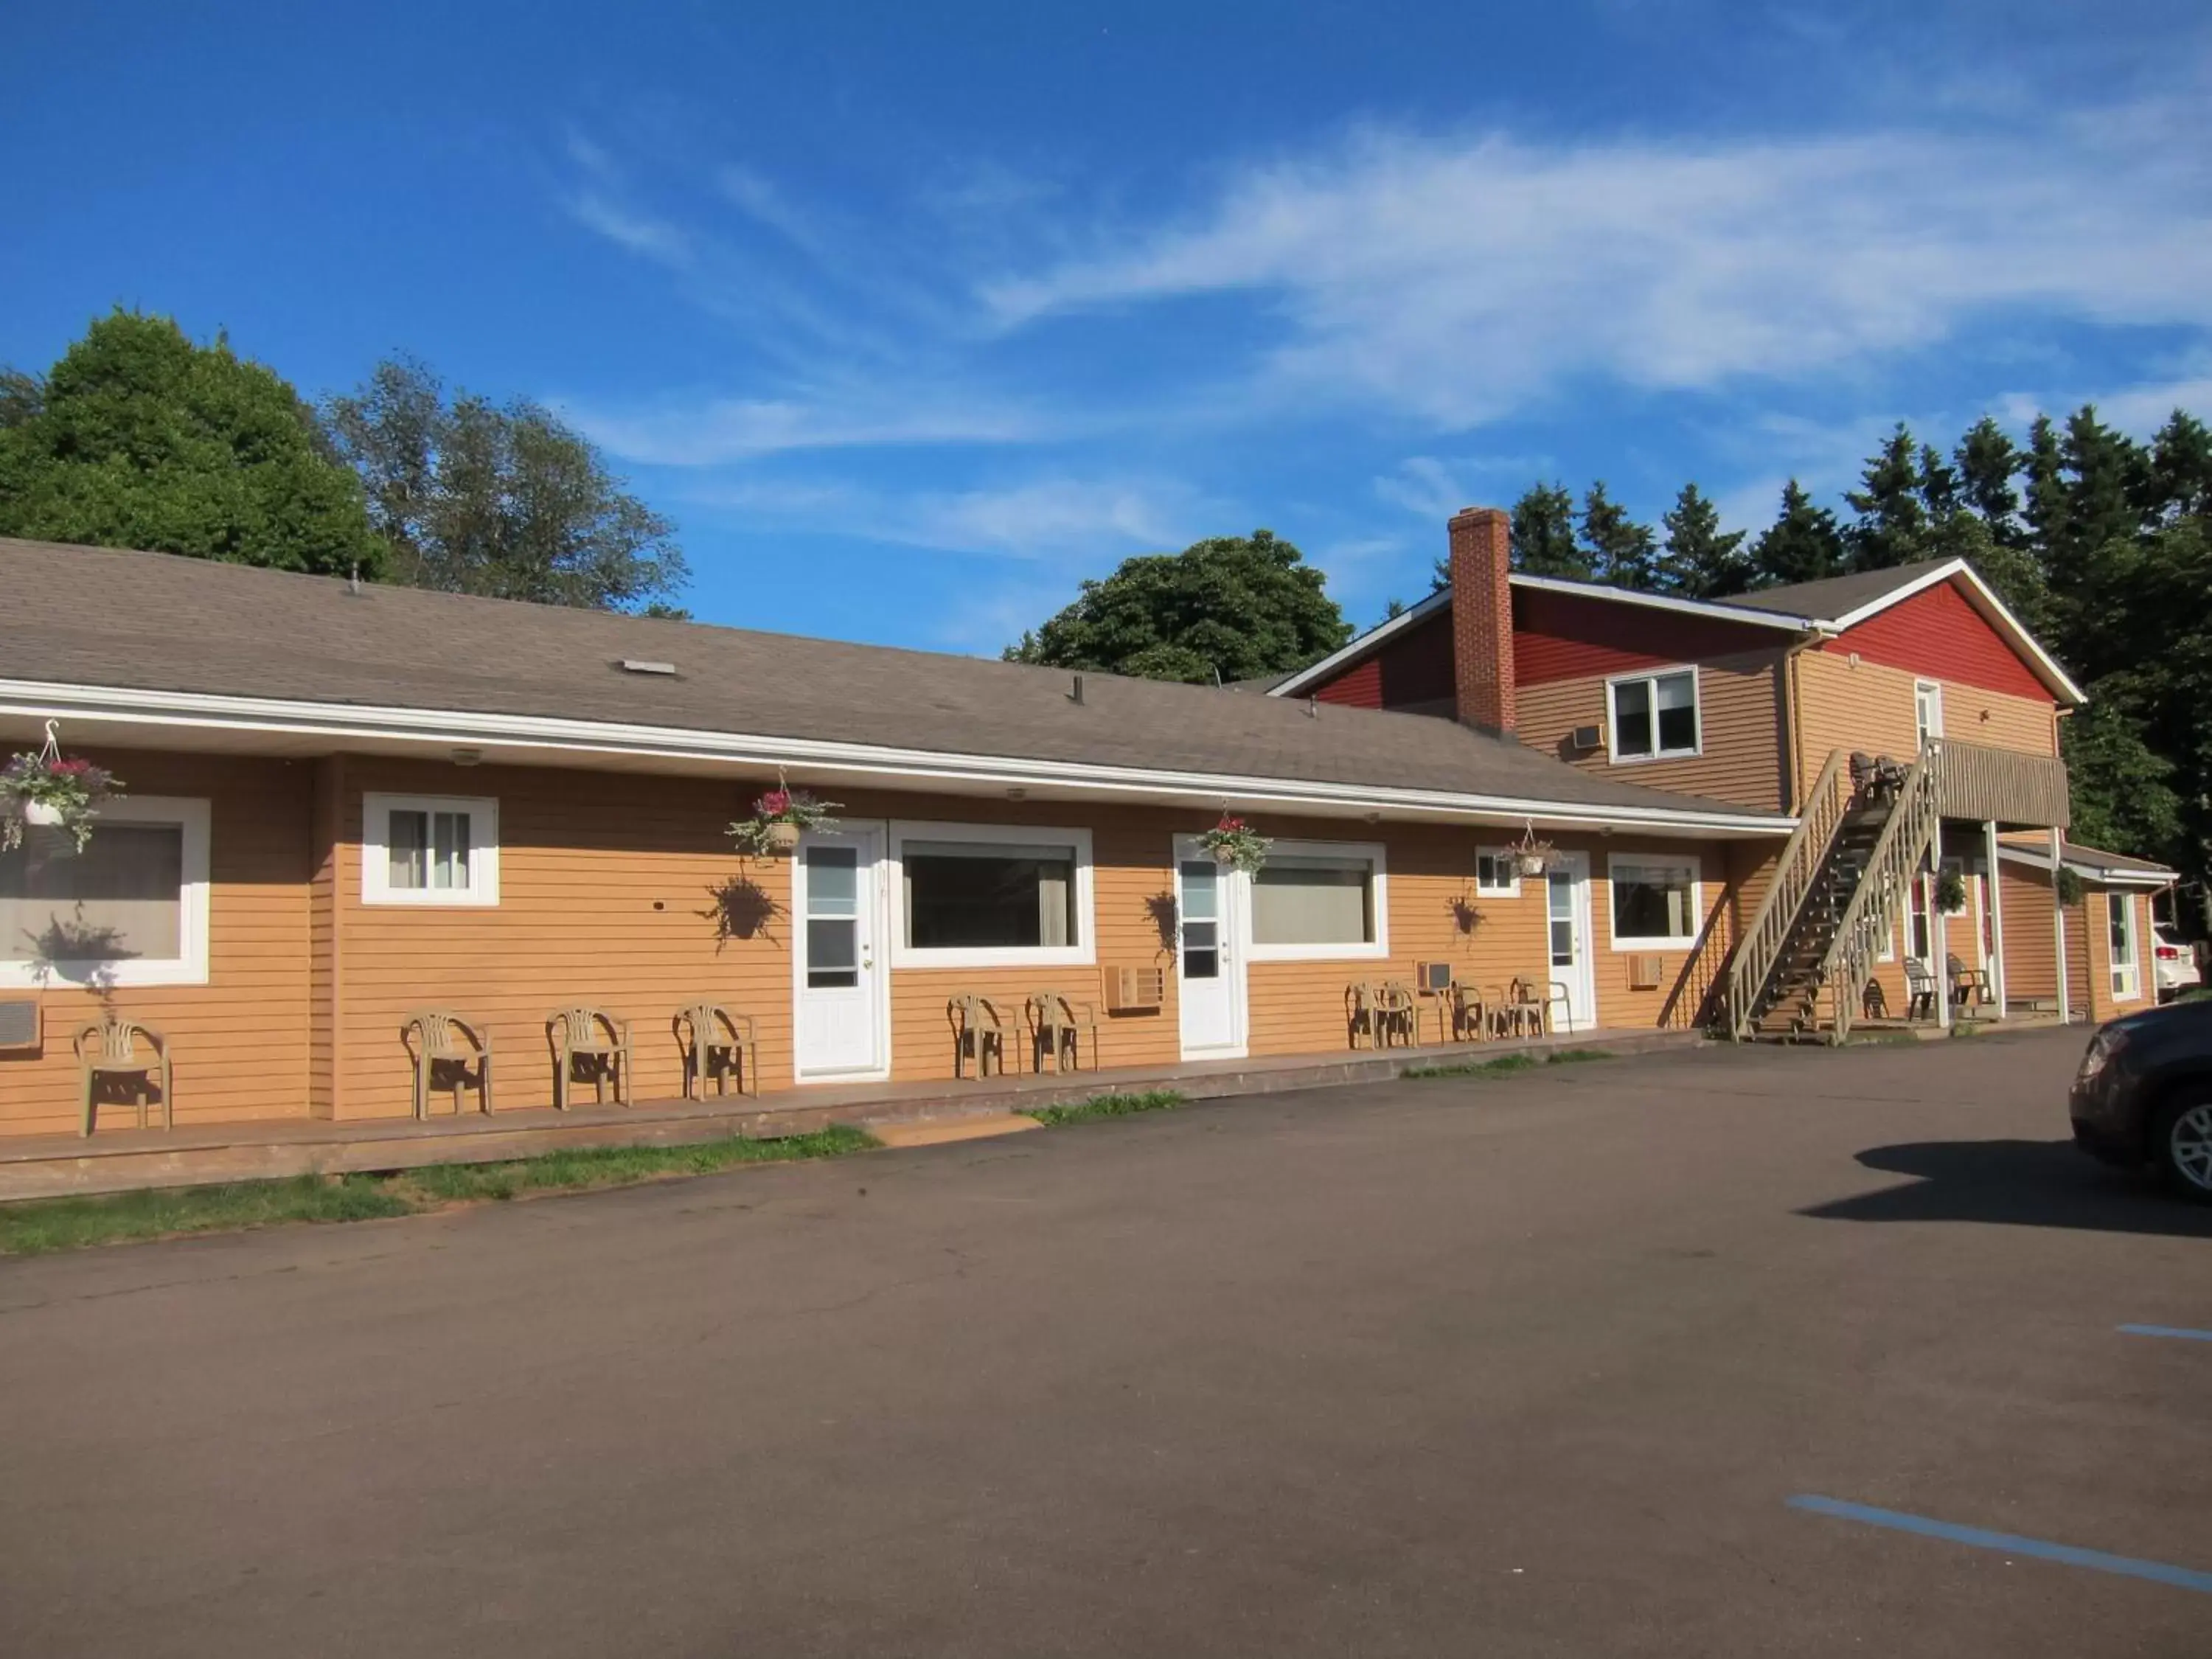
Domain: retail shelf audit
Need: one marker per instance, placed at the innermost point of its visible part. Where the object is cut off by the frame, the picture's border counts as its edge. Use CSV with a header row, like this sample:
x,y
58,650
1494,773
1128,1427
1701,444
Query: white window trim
x,y
2135,991
1695,863
1654,674
189,965
1512,888
1084,953
1933,691
1378,949
376,888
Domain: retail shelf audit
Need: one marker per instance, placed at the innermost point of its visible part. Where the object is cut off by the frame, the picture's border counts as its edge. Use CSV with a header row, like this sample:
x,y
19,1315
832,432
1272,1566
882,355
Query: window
x,y
1655,715
985,895
1927,711
1656,902
429,849
130,909
1496,873
1319,901
2120,919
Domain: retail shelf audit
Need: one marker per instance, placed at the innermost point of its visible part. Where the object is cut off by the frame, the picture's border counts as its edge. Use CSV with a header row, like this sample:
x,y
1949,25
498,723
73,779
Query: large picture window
x,y
129,909
1318,901
1656,902
1655,716
429,850
977,895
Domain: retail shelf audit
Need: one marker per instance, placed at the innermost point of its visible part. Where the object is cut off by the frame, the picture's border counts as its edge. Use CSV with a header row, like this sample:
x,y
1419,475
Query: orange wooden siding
x,y
609,891
1739,731
1868,707
242,1042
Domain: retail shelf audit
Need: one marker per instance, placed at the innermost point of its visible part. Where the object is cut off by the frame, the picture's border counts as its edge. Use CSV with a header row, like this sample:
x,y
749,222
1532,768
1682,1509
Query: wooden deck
x,y
45,1166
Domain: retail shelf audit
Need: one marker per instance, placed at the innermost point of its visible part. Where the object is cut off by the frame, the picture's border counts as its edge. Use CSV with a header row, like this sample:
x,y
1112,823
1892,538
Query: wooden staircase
x,y
1805,960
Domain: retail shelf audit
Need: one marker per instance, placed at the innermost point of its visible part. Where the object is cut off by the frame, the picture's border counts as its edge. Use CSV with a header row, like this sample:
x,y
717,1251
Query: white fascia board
x,y
2104,875
899,767
1344,656
2049,671
1718,610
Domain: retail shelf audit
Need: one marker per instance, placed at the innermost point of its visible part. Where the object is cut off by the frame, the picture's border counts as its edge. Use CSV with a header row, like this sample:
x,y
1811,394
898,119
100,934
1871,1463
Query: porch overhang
x,y
202,722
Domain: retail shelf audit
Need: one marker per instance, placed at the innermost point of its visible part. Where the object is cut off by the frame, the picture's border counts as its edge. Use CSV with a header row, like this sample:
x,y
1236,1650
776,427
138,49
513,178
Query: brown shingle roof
x,y
149,621
1834,596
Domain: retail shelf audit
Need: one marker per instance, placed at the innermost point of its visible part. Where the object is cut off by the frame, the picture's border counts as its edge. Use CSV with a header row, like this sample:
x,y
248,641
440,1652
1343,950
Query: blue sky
x,y
914,315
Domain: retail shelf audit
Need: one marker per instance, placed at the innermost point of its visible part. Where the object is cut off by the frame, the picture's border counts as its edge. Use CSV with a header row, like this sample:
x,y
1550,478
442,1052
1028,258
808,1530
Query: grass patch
x,y
38,1226
68,1223
1885,1040
1156,1100
1505,1065
1501,1067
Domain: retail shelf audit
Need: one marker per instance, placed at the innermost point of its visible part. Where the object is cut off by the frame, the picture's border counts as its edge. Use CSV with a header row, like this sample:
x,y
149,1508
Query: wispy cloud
x,y
718,431
1069,522
1461,279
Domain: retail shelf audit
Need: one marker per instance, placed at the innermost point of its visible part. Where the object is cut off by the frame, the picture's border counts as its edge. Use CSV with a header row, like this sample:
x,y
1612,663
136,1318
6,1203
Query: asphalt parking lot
x,y
1530,1365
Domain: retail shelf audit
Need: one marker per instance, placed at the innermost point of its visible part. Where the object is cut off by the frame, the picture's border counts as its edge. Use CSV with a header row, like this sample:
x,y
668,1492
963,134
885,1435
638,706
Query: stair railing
x,y
1915,821
1795,873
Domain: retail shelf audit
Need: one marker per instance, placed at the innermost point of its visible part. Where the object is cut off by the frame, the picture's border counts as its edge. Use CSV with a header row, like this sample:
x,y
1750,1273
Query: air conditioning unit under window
x,y
1587,737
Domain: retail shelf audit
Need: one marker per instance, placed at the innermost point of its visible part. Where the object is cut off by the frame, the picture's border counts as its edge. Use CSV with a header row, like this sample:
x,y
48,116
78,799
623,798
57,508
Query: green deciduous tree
x,y
1701,561
1235,607
500,499
139,438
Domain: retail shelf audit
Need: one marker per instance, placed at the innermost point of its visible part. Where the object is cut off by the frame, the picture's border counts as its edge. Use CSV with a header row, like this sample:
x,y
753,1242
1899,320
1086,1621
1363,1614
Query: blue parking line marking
x,y
2097,1561
2181,1331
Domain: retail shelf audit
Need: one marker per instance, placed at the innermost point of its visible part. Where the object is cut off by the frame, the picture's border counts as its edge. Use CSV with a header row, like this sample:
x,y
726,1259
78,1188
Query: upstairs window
x,y
429,849
1655,716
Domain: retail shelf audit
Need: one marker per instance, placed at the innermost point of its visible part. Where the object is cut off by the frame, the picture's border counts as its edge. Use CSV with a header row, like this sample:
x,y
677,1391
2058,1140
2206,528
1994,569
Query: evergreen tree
x,y
1987,464
1802,545
1544,534
139,438
1620,551
2179,475
1701,561
1891,525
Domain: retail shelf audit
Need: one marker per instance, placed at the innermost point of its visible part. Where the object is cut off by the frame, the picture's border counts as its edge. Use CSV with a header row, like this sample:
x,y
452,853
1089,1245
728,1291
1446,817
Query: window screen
x,y
965,894
1310,899
121,898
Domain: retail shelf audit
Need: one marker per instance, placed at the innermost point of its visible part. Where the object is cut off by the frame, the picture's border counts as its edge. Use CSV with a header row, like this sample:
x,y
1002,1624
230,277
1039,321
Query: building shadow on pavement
x,y
2018,1183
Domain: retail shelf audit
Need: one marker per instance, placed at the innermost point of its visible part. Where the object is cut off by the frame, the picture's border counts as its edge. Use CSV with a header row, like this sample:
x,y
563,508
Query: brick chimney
x,y
1482,618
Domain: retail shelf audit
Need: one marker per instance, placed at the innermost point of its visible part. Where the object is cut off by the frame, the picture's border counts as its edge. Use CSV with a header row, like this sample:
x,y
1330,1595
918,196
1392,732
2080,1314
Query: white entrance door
x,y
1210,953
1574,976
841,1015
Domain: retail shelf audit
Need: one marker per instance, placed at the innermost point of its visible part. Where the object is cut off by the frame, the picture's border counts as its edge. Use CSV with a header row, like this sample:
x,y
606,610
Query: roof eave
x,y
896,767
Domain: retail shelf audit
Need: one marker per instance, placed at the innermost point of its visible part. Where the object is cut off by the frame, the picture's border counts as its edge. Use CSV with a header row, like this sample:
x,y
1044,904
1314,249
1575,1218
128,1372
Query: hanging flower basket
x,y
1951,892
778,817
1531,856
1235,843
48,790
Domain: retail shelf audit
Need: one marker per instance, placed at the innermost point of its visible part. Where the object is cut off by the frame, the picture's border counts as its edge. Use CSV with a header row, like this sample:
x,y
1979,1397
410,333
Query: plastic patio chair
x,y
438,1037
596,1038
117,1056
715,1043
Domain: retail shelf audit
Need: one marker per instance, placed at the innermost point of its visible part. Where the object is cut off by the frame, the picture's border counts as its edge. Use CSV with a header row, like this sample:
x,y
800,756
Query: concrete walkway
x,y
46,1166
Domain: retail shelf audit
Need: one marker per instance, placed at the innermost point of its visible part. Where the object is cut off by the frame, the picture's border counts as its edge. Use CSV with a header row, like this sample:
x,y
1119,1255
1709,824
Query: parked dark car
x,y
2144,1095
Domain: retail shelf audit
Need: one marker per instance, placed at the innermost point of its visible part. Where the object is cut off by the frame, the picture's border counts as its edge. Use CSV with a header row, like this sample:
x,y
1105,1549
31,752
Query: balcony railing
x,y
2020,790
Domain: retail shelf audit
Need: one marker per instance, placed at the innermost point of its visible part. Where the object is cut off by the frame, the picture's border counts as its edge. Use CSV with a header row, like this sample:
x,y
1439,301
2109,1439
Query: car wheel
x,y
2182,1143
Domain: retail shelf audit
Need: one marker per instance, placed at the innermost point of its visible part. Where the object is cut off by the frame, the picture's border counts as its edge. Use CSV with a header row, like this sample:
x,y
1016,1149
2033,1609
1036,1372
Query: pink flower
x,y
70,769
774,805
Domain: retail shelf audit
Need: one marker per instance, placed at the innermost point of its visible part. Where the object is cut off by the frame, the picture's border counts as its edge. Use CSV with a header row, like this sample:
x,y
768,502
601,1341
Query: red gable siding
x,y
1414,667
1566,636
1938,633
